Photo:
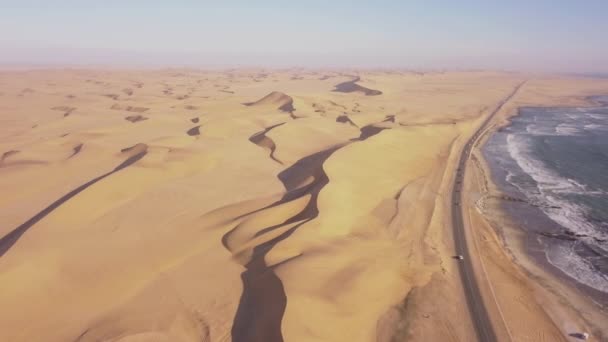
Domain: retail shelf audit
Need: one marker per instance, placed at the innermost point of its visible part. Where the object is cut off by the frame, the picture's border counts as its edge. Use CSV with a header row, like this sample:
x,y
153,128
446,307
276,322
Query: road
x,y
477,309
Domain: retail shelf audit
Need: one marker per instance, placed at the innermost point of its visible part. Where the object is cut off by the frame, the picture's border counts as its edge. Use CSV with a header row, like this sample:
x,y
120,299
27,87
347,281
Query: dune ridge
x,y
278,100
7,154
353,87
345,119
305,178
263,228
136,152
263,301
76,149
263,141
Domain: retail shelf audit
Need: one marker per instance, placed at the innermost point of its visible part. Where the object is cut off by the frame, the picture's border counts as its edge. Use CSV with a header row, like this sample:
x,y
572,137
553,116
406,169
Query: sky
x,y
533,35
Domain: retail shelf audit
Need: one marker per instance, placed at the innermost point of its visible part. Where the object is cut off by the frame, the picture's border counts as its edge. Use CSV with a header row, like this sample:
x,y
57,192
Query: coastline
x,y
563,299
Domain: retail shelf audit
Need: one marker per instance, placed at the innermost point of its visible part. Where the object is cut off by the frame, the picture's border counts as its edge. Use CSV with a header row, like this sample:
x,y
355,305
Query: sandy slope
x,y
246,205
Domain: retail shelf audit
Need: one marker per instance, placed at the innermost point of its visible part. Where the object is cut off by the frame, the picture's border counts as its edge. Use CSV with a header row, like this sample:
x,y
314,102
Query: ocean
x,y
552,163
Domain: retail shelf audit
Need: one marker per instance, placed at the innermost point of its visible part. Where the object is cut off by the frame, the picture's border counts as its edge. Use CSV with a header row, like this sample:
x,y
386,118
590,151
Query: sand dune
x,y
7,154
331,227
136,149
262,140
134,153
370,131
76,150
353,87
390,118
345,119
276,100
135,118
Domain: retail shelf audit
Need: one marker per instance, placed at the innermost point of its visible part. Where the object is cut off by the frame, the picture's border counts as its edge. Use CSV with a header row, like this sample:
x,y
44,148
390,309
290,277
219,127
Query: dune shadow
x,y
345,119
7,154
368,131
135,118
352,86
194,131
263,301
76,149
11,238
264,141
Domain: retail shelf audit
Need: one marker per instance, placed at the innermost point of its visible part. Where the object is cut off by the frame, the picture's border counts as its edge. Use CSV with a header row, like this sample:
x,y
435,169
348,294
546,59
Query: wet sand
x,y
572,307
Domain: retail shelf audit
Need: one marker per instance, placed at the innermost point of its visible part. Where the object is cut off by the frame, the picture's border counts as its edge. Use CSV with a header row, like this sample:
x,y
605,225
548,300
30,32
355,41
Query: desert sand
x,y
262,205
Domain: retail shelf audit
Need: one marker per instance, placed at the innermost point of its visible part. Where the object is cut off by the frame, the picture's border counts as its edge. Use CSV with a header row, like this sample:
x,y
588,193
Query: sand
x,y
503,244
257,205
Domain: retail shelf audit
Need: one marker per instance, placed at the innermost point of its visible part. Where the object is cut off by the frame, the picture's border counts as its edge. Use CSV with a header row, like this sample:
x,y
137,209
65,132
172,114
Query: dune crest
x,y
345,119
7,154
353,87
263,141
134,154
76,149
135,149
281,101
332,227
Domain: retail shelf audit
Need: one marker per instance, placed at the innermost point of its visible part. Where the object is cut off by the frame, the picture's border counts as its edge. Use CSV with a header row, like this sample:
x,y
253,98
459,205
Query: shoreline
x,y
551,285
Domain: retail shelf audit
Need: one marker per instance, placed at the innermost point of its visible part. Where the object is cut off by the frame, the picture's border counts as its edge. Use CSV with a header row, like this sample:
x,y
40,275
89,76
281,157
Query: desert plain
x,y
264,205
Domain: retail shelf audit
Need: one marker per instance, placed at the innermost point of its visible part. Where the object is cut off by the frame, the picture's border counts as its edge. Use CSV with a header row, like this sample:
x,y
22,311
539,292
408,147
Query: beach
x,y
524,217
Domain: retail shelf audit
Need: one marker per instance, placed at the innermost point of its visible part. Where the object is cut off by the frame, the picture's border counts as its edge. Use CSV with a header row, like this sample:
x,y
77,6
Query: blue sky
x,y
538,35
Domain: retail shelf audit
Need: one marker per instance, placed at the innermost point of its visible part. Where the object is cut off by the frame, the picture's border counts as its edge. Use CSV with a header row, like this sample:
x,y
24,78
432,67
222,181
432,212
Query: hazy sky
x,y
557,35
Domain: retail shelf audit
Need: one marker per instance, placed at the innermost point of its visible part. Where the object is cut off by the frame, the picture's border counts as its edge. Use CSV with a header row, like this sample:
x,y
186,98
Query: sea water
x,y
554,161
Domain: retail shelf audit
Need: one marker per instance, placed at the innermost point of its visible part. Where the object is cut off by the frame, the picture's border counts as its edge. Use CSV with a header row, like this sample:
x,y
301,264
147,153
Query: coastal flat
x,y
254,205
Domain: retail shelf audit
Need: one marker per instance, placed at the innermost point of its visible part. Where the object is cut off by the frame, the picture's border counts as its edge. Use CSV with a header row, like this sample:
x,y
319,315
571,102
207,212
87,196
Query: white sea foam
x,y
510,176
566,259
535,129
573,116
563,129
566,129
595,127
549,187
597,116
552,194
532,129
